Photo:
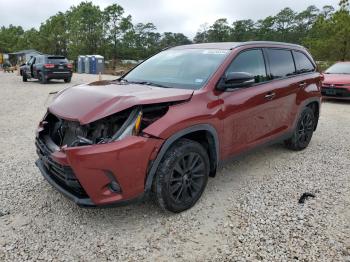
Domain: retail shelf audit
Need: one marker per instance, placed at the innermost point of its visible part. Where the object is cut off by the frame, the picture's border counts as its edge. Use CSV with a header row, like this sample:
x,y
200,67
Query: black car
x,y
46,67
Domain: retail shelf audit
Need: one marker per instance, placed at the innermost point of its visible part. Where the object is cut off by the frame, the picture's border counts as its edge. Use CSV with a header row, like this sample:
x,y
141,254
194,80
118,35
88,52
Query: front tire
x,y
24,78
303,132
182,176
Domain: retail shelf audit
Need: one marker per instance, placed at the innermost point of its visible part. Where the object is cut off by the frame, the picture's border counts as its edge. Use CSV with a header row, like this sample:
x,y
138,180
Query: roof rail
x,y
267,42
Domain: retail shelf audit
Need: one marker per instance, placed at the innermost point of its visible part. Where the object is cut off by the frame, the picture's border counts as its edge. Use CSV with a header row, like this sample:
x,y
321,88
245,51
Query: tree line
x,y
325,32
86,29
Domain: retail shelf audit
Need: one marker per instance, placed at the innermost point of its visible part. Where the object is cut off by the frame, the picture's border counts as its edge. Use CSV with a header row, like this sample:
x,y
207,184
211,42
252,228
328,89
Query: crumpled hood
x,y
88,103
336,79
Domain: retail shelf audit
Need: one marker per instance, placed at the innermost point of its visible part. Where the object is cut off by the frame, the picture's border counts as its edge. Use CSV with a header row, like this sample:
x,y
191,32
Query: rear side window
x,y
281,63
252,62
302,63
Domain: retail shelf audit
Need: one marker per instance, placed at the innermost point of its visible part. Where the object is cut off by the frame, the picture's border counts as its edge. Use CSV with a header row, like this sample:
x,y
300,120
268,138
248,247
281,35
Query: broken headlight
x,y
131,126
129,122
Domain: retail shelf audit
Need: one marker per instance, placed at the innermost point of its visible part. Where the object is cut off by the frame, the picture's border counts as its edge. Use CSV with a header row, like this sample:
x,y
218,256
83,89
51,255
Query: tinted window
x,y
281,63
251,62
303,64
56,59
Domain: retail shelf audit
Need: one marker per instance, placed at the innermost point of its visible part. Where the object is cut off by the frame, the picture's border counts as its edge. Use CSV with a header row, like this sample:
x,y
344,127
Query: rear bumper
x,y
84,174
58,75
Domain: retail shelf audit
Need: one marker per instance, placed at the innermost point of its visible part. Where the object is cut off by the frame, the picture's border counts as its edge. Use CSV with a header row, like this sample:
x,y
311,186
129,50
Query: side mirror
x,y
239,78
236,80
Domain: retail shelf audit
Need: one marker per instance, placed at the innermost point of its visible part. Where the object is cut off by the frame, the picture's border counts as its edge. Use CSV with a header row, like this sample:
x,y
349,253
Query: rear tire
x,y
181,176
24,78
67,80
303,132
42,78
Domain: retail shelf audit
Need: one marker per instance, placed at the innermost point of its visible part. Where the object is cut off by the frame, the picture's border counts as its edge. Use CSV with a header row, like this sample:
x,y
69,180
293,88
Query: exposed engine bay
x,y
112,128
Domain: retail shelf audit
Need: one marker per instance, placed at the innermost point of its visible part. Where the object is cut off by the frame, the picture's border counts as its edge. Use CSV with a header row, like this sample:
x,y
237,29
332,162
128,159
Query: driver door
x,y
248,111
32,68
28,67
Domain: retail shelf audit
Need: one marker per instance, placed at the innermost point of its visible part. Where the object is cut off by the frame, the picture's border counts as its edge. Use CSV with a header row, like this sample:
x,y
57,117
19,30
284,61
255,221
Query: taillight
x,y
49,65
69,65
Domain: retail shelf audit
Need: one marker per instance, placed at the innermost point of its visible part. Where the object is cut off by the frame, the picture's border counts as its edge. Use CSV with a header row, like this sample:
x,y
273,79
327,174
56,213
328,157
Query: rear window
x,y
56,59
281,63
302,63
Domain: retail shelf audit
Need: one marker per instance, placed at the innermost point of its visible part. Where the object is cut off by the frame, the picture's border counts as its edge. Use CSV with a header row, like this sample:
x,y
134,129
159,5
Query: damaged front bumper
x,y
81,201
100,174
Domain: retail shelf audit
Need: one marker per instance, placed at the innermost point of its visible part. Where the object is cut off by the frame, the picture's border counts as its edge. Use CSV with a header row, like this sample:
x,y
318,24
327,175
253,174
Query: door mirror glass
x,y
239,78
234,80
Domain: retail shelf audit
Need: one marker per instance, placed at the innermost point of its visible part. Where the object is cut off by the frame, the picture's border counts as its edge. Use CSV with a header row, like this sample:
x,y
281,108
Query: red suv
x,y
164,128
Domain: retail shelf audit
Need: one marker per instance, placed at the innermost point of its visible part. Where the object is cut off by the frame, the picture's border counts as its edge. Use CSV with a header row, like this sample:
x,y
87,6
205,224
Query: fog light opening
x,y
115,187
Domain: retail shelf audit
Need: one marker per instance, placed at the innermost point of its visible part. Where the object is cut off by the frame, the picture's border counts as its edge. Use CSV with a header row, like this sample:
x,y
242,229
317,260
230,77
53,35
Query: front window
x,y
340,68
186,68
252,62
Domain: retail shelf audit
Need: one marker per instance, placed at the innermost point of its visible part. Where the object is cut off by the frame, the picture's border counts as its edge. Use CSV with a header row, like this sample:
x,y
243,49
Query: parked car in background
x,y
163,128
336,83
46,67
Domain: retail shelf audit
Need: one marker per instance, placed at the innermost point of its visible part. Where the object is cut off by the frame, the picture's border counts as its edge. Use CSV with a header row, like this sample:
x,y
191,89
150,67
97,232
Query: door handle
x,y
270,95
302,84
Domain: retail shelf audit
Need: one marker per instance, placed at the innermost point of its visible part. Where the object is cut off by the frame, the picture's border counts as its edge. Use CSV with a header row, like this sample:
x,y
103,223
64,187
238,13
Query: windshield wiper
x,y
148,83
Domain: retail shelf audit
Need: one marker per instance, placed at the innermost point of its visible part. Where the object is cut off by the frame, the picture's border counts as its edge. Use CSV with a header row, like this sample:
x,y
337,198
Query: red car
x,y
166,126
336,82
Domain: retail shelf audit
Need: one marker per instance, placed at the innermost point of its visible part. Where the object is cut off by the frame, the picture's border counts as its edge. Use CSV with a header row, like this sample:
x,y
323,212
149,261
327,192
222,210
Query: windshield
x,y
186,68
340,68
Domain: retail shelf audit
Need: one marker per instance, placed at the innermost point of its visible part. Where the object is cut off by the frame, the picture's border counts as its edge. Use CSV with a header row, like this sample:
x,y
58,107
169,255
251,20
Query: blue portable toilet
x,y
88,64
97,63
81,64
91,64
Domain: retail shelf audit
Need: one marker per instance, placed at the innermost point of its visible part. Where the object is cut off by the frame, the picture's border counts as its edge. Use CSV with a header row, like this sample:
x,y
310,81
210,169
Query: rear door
x,y
284,87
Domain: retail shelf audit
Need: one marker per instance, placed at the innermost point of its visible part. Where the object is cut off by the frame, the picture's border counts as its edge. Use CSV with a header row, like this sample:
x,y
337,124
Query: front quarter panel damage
x,y
127,159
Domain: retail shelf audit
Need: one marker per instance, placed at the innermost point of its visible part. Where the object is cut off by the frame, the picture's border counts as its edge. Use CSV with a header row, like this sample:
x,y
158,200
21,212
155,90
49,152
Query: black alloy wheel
x,y
304,130
187,178
182,176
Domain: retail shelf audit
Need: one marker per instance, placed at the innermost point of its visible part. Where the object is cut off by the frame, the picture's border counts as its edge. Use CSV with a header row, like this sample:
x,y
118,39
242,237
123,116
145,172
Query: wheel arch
x,y
314,103
205,134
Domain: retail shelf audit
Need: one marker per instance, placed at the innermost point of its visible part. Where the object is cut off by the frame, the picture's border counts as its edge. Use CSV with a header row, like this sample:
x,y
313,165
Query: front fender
x,y
167,144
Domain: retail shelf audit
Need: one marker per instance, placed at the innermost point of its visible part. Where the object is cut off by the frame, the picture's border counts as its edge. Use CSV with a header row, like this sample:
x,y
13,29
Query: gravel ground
x,y
249,212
